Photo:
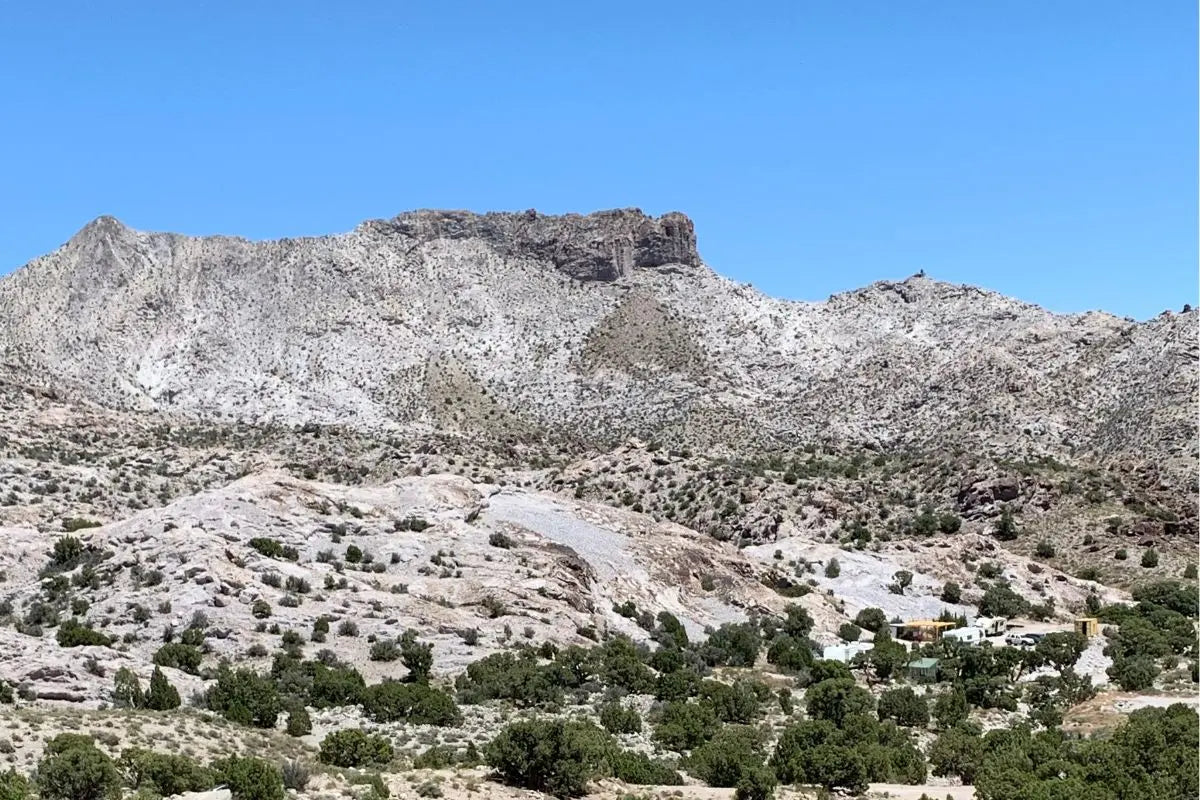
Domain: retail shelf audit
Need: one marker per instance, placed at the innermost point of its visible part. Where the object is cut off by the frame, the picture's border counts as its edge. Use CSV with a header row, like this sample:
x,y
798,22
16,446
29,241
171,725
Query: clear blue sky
x,y
1044,149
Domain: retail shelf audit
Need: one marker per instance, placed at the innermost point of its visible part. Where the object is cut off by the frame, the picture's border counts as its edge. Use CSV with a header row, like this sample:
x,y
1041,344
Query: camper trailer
x,y
971,635
992,626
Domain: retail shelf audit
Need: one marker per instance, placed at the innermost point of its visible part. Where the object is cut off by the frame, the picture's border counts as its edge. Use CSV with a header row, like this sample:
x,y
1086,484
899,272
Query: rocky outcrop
x,y
603,246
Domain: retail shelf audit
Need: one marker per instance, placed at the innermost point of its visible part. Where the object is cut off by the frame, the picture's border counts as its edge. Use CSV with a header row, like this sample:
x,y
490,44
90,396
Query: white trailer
x,y
992,626
970,635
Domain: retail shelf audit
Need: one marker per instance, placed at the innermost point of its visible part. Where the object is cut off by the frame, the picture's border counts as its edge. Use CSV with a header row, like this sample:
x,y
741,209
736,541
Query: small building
x,y
924,670
846,652
969,635
920,630
1087,627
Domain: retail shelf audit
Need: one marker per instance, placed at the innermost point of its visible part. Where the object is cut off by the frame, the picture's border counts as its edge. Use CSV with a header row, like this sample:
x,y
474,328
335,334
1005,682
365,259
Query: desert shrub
x,y
74,634
739,702
354,554
552,756
260,608
849,632
500,540
297,585
1150,558
685,725
734,644
384,650
179,656
295,775
72,768
127,689
956,752
347,628
833,569
505,676
67,553
951,708
870,619
163,773
245,697
724,759
417,703
617,718
354,747
837,698
1001,601
951,592
905,707
1006,526
299,723
417,657
162,696
640,769
249,778
14,786
272,548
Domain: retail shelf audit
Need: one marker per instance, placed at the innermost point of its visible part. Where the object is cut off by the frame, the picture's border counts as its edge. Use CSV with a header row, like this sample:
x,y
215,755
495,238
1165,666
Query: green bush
x,y
905,707
384,650
617,718
552,756
849,632
162,696
1044,549
739,702
73,634
956,752
179,656
1001,601
951,592
14,786
684,725
245,697
417,657
272,548
640,769
837,698
250,778
299,723
354,747
833,569
74,769
505,676
871,619
734,644
730,754
127,689
1150,558
417,703
162,773
67,553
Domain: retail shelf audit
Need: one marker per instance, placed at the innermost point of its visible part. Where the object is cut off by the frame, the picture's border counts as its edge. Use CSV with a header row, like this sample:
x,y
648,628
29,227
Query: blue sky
x,y
1043,149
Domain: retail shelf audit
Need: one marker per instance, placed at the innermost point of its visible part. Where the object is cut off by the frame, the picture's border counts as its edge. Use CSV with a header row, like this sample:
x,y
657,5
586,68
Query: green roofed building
x,y
923,669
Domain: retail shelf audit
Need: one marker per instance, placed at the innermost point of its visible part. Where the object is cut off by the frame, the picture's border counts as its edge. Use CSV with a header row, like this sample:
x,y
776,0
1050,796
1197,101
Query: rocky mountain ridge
x,y
590,328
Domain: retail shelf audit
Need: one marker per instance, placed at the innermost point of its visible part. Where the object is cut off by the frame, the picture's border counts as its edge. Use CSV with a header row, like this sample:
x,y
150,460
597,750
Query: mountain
x,y
583,328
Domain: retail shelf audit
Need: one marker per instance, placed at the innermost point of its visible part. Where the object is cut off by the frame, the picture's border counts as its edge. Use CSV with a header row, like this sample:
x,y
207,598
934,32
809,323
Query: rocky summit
x,y
372,514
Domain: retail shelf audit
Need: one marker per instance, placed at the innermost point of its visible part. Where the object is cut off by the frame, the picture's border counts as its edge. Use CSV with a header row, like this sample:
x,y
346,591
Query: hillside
x,y
358,507
588,328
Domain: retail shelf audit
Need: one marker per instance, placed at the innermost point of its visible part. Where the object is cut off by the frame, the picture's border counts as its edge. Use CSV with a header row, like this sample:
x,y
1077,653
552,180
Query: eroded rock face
x,y
603,246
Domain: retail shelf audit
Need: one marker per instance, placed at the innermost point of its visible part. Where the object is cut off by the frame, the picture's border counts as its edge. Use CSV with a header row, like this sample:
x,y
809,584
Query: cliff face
x,y
589,327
